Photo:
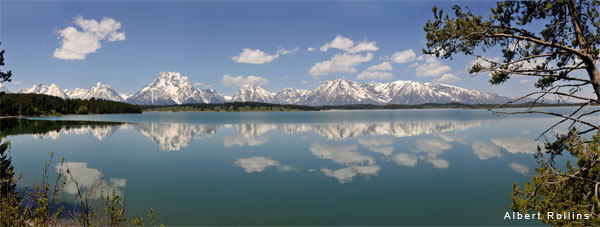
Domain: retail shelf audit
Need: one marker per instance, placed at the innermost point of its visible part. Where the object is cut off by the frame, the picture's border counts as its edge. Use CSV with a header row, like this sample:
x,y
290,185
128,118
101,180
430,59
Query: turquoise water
x,y
399,167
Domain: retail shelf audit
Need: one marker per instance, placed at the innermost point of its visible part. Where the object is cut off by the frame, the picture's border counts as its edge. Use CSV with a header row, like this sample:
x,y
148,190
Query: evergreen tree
x,y
557,42
4,76
7,183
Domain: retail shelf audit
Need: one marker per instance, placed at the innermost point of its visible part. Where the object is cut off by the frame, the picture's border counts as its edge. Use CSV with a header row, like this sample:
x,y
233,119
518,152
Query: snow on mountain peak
x,y
173,88
76,93
42,88
125,96
102,91
290,95
253,93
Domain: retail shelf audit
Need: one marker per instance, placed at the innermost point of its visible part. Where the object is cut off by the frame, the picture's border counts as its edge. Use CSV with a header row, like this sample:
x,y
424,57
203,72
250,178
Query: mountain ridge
x,y
172,88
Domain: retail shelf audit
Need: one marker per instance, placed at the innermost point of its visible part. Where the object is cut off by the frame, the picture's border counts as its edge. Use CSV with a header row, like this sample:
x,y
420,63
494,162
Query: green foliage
x,y
46,209
40,205
548,40
37,205
114,209
7,182
541,38
139,221
82,110
574,189
4,76
38,104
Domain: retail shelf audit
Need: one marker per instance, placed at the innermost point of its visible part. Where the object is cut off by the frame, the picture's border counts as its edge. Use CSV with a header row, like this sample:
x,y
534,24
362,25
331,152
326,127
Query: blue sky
x,y
203,39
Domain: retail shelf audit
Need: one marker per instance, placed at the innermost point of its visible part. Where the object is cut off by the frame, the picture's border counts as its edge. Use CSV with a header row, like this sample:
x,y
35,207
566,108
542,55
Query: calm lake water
x,y
398,167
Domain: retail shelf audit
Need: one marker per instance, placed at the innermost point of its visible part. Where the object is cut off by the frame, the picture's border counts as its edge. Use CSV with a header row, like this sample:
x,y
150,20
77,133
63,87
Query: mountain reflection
x,y
351,150
99,131
343,131
176,136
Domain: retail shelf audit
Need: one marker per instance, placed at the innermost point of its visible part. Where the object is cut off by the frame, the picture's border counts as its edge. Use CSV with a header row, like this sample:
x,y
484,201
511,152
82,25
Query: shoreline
x,y
416,107
365,109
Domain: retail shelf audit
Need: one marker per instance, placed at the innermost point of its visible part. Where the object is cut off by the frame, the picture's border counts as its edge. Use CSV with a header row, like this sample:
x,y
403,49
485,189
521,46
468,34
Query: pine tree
x,y
7,183
557,42
4,76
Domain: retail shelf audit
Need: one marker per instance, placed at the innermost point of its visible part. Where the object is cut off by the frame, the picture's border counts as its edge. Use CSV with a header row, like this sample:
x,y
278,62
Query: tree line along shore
x,y
45,105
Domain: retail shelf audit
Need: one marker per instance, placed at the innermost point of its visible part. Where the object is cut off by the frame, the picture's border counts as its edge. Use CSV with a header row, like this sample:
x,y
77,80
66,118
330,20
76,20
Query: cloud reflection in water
x,y
350,155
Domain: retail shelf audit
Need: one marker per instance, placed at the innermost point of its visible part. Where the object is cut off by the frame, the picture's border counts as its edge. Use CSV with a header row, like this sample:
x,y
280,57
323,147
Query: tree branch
x,y
542,42
552,114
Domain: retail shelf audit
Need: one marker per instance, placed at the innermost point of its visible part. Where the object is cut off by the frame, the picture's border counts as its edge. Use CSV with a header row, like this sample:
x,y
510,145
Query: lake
x,y
396,167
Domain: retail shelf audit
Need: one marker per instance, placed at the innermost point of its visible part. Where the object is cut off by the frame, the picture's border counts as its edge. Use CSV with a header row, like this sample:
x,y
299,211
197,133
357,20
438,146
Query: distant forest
x,y
40,105
233,107
20,126
12,104
267,107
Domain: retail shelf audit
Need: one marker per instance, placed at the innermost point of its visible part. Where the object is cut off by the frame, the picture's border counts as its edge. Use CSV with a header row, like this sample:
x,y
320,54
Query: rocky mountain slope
x,y
172,88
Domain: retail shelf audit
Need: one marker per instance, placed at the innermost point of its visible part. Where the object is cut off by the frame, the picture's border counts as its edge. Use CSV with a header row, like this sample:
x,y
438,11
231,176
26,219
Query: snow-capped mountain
x,y
76,93
102,91
42,88
212,96
172,88
125,96
410,92
341,92
290,96
253,93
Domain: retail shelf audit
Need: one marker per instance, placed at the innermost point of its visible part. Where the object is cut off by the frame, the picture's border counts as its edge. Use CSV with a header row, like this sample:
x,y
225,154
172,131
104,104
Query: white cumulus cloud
x,y
364,46
385,66
240,81
76,44
376,72
257,56
254,57
339,63
431,67
447,79
374,75
339,42
403,56
346,44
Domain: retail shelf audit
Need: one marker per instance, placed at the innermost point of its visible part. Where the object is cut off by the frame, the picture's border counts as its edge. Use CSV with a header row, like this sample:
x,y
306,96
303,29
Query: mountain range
x,y
173,88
